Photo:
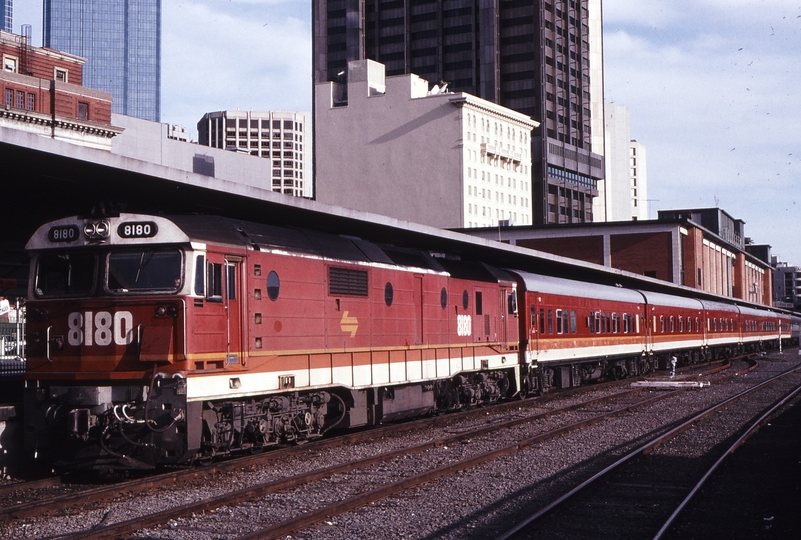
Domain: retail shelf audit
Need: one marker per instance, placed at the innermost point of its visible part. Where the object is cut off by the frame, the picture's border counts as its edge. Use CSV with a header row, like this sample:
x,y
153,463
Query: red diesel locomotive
x,y
155,340
164,340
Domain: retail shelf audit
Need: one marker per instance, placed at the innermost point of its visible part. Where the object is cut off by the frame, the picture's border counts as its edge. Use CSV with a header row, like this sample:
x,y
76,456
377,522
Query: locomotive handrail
x,y
47,340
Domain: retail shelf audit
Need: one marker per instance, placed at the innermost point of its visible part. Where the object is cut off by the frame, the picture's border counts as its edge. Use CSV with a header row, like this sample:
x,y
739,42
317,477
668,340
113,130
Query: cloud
x,y
258,58
712,92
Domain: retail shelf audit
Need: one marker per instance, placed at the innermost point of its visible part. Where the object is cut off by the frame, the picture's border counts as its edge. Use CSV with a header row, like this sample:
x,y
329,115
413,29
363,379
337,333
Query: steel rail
x,y
260,490
748,433
523,526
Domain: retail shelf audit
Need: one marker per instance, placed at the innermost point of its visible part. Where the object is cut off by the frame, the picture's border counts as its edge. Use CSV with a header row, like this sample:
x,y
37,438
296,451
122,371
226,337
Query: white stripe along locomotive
x,y
156,340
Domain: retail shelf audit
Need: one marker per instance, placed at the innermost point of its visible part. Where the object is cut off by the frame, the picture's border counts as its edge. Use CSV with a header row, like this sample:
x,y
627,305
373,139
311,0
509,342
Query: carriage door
x,y
233,311
418,310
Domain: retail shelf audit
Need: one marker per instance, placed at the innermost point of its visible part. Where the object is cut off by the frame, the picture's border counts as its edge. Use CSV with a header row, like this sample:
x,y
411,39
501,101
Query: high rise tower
x,y
121,41
8,11
542,58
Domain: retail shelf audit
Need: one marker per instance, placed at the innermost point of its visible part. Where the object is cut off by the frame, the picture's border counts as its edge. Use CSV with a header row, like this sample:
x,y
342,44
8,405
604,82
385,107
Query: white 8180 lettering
x,y
100,328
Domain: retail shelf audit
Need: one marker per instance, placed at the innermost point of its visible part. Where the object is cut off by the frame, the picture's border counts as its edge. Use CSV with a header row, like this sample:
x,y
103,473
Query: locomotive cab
x,y
106,378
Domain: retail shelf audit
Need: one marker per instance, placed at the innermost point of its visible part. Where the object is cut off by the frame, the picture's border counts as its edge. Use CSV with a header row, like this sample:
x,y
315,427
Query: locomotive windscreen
x,y
65,274
144,271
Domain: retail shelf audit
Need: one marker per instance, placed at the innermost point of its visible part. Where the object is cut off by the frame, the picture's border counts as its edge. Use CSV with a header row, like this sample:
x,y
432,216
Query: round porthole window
x,y
443,298
273,285
465,300
388,293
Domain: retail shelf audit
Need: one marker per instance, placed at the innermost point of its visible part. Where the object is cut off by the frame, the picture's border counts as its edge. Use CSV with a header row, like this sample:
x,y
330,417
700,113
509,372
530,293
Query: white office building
x,y
623,194
398,147
281,136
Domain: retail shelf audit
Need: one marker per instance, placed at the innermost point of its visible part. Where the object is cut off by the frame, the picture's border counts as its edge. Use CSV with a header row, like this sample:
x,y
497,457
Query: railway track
x,y
70,502
649,478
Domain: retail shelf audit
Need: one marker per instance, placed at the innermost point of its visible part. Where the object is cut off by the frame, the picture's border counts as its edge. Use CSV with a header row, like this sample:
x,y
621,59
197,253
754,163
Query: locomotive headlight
x,y
172,311
102,229
96,230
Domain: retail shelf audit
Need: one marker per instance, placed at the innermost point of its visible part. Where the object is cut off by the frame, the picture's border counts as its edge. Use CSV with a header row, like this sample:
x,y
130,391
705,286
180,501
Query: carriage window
x,y
214,282
512,303
662,323
542,321
558,321
572,322
564,321
672,323
230,275
143,271
550,321
65,274
697,325
200,263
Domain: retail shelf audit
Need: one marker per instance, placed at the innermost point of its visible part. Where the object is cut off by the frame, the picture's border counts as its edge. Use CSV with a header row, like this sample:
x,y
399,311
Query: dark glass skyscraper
x,y
8,9
121,41
542,58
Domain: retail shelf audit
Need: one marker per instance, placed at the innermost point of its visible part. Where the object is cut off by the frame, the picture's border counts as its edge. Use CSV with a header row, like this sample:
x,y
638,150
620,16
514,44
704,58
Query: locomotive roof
x,y
328,245
568,287
196,228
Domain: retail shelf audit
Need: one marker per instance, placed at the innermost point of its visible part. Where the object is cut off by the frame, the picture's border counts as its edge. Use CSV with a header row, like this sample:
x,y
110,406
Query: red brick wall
x,y
42,65
39,88
642,253
583,248
37,76
66,104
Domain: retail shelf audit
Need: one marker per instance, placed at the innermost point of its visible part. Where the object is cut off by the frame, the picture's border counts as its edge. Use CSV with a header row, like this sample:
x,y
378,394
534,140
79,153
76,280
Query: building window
x,y
31,105
9,97
83,110
20,99
10,63
61,75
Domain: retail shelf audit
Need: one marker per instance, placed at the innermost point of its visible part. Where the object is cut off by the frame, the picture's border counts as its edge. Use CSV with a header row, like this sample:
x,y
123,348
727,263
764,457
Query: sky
x,y
712,88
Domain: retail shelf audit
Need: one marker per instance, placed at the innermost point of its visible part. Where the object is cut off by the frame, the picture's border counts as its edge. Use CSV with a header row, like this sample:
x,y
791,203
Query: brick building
x,y
42,93
703,249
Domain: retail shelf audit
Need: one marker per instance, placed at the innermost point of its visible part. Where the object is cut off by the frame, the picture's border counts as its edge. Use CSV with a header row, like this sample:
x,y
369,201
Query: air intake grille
x,y
345,281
